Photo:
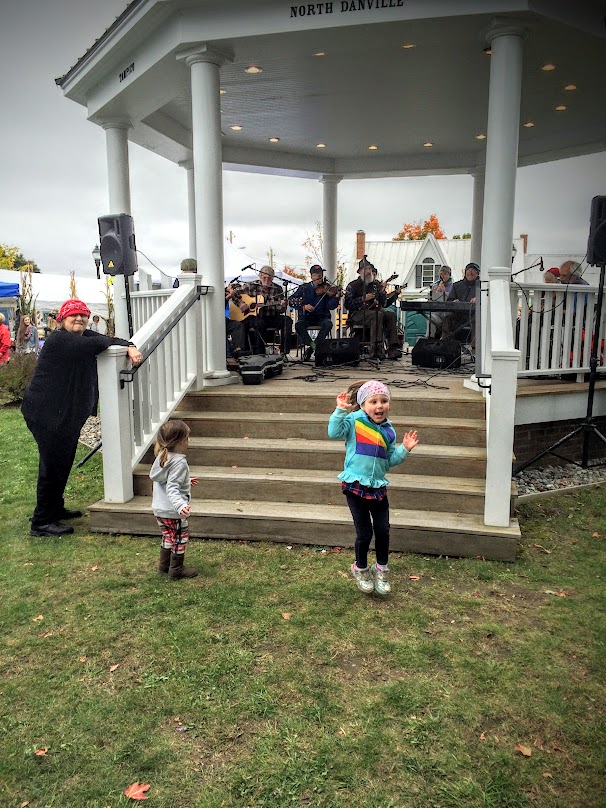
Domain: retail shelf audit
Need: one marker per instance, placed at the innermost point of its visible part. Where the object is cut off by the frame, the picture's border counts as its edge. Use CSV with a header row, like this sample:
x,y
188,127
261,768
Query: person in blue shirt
x,y
314,301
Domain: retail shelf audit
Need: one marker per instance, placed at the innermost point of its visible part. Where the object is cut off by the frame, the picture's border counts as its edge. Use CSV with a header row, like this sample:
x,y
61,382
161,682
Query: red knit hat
x,y
72,307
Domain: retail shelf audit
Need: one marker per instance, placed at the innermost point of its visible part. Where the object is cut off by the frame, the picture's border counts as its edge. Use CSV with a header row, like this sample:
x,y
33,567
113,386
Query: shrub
x,y
15,376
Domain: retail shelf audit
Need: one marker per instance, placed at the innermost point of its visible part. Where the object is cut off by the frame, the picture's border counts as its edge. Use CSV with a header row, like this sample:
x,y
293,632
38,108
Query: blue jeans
x,y
369,513
303,323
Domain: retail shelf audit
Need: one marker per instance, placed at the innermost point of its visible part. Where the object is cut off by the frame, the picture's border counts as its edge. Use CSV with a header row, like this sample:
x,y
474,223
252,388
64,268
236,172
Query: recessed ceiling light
x,y
561,107
481,137
529,124
274,139
428,145
548,67
222,91
408,45
320,145
570,86
320,53
236,127
488,51
373,148
253,69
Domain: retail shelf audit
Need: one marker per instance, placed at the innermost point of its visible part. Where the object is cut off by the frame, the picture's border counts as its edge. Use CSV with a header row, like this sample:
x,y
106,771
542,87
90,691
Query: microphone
x,y
542,268
248,266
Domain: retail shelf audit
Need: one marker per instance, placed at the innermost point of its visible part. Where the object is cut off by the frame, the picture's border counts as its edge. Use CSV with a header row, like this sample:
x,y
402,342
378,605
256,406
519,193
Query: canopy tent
x,y
9,289
51,291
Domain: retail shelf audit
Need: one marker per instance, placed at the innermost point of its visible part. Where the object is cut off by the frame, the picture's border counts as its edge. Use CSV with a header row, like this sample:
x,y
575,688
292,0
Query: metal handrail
x,y
128,376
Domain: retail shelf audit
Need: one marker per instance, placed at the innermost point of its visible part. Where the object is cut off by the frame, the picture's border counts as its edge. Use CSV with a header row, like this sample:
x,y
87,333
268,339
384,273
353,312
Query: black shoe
x,y
51,529
308,354
70,513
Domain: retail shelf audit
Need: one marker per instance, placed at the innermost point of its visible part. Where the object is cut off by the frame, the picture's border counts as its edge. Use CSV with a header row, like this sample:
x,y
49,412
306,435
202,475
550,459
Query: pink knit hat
x,y
372,388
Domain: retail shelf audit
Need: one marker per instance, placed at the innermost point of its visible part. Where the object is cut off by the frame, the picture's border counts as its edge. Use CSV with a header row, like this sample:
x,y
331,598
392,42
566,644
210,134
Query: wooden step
x,y
330,525
466,462
424,493
313,426
271,399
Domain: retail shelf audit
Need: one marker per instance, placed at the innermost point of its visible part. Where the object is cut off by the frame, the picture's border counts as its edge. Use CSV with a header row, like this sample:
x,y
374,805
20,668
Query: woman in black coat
x,y
60,397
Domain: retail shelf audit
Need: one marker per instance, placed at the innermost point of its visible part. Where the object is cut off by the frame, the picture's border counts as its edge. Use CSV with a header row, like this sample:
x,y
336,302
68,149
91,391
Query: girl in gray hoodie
x,y
171,497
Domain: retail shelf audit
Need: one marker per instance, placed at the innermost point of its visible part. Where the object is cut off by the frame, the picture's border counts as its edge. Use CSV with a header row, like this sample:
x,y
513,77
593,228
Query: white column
x,y
477,213
116,135
188,165
204,63
330,183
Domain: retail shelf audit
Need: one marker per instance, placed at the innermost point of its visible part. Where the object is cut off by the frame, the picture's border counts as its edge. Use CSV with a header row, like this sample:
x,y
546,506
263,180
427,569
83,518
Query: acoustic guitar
x,y
254,303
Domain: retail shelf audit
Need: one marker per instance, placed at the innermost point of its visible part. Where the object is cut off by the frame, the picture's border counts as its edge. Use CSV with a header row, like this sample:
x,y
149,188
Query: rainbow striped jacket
x,y
370,449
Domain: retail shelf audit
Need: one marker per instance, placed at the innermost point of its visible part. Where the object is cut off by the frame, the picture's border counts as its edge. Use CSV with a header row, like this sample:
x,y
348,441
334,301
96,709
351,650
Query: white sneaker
x,y
381,580
363,579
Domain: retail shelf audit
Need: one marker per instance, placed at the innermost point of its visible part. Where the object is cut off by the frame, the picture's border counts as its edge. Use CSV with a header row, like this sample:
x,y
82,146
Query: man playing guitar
x,y
365,299
266,311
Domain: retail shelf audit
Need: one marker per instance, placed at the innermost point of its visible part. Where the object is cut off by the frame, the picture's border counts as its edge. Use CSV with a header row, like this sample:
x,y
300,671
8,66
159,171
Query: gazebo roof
x,y
367,90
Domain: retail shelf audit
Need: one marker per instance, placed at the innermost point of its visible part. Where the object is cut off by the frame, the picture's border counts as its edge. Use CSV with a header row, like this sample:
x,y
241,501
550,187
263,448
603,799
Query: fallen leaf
x,y
542,549
414,577
23,804
546,774
286,615
596,536
336,550
82,659
112,668
483,736
45,634
136,791
41,752
95,568
524,750
35,619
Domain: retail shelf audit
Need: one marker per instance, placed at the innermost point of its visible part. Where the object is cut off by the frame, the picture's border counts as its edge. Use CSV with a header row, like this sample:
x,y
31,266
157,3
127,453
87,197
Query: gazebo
x,y
352,89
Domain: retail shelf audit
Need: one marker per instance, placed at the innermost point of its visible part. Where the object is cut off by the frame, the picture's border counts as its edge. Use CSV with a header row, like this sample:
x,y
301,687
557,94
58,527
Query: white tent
x,y
51,291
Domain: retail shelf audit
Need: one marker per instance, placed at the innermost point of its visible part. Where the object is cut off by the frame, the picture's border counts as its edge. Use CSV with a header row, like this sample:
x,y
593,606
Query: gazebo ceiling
x,y
366,90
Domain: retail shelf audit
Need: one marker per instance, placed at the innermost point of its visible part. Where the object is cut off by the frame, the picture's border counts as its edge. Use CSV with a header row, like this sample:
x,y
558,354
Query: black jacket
x,y
63,391
463,290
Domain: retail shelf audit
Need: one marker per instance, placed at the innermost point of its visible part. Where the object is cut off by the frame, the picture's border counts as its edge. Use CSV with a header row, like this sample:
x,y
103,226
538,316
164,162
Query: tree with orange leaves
x,y
416,231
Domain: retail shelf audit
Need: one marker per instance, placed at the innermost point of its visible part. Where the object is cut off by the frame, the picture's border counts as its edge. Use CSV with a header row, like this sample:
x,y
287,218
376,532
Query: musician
x,y
364,299
439,292
269,314
314,301
464,291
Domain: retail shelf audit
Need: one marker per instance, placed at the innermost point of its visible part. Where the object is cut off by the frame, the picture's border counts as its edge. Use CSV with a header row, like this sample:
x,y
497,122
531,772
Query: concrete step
x,y
428,402
313,426
411,531
458,462
423,493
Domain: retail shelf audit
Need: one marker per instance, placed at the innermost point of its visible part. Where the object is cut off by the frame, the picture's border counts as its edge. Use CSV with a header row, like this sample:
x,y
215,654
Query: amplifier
x,y
436,353
342,351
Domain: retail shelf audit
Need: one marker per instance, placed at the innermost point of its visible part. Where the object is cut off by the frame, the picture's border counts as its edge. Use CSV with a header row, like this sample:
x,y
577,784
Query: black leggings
x,y
57,453
369,513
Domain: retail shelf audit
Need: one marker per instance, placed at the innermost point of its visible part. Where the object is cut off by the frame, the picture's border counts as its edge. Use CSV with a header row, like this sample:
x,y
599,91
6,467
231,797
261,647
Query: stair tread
x,y
318,418
327,390
304,445
334,514
472,486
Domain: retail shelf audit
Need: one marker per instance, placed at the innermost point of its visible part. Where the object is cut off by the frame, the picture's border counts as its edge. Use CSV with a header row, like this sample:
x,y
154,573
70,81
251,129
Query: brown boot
x,y
177,570
164,559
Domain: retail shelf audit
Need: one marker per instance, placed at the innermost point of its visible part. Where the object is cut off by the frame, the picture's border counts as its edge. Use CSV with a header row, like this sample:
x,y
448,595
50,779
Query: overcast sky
x,y
53,171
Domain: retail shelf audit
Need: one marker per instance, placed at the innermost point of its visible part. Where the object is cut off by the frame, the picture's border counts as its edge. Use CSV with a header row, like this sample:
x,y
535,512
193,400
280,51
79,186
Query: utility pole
x,y
231,236
270,255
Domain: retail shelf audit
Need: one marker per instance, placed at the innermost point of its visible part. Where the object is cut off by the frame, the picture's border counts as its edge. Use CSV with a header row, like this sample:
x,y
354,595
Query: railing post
x,y
497,502
116,426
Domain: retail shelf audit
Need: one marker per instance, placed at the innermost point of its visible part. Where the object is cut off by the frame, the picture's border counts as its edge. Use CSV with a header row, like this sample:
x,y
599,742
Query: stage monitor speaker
x,y
596,245
342,351
436,353
117,244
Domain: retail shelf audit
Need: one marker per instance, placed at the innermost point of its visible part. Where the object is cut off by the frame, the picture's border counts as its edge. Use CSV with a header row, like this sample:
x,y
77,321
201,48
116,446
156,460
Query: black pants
x,y
261,327
57,452
369,513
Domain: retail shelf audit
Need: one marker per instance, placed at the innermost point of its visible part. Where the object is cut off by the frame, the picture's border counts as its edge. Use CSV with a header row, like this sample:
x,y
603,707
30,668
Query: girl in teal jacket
x,y
370,451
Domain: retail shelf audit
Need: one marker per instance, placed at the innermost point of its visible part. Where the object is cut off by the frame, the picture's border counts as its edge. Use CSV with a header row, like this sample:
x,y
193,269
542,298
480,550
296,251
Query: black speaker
x,y
436,353
337,352
596,245
117,244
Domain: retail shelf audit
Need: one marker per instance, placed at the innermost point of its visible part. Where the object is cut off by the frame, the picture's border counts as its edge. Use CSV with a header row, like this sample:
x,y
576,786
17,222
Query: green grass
x,y
218,700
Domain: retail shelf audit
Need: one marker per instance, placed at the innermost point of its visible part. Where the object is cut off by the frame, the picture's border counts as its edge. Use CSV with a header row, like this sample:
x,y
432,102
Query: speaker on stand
x,y
119,252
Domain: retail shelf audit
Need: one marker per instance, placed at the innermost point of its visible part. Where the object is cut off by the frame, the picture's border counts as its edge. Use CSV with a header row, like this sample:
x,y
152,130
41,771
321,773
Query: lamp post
x,y
97,259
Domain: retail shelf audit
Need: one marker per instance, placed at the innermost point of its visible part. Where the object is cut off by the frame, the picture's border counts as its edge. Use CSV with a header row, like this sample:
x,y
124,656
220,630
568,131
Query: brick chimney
x,y
360,244
524,237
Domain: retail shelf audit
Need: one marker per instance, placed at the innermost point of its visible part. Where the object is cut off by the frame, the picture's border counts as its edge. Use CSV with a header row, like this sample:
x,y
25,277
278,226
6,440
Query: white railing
x,y
553,327
135,404
145,304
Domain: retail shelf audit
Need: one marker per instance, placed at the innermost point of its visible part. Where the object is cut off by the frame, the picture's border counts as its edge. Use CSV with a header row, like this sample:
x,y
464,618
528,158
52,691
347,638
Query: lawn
x,y
269,680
